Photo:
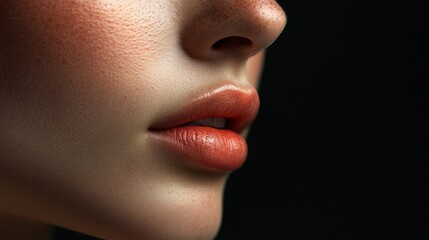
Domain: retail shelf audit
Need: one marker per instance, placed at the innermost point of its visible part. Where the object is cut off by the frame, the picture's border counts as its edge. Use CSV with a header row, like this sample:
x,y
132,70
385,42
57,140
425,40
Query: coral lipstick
x,y
207,147
207,132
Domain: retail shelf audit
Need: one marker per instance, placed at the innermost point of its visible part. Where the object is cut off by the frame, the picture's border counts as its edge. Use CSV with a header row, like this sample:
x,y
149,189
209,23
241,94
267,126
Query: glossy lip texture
x,y
210,147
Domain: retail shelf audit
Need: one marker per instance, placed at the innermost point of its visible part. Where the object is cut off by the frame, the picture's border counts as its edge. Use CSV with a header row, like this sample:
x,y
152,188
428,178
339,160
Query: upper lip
x,y
237,105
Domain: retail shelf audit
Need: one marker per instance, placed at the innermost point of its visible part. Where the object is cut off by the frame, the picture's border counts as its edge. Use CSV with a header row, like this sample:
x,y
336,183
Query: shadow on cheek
x,y
254,68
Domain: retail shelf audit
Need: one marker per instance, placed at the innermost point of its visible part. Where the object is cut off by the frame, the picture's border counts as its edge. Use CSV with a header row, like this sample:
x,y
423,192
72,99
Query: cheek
x,y
76,55
70,71
73,73
254,67
75,42
73,30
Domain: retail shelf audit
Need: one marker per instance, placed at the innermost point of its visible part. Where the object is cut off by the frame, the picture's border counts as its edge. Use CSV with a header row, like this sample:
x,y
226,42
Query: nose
x,y
231,28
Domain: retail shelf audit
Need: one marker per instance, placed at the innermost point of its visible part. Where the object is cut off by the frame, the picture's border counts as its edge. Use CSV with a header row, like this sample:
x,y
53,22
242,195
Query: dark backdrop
x,y
340,148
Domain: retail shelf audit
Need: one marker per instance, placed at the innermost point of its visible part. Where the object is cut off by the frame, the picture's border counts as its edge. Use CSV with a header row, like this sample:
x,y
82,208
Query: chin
x,y
186,216
176,209
190,221
181,223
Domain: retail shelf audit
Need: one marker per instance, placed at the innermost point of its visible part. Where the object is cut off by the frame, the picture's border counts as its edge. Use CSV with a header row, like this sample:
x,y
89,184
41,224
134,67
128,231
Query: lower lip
x,y
205,147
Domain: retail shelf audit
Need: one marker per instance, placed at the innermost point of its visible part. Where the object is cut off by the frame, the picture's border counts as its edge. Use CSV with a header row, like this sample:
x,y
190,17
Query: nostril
x,y
232,42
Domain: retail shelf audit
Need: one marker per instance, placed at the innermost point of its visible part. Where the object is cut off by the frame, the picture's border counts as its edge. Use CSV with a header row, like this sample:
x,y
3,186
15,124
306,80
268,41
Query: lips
x,y
207,132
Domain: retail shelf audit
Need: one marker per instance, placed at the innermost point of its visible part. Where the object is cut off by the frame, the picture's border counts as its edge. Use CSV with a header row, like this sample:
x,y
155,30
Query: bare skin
x,y
81,85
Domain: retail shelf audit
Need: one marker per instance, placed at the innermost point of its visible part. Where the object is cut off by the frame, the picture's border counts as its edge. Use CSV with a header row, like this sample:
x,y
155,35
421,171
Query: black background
x,y
340,147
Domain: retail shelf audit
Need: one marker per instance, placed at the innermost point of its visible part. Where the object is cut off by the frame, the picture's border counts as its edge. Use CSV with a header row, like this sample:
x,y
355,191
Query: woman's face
x,y
123,118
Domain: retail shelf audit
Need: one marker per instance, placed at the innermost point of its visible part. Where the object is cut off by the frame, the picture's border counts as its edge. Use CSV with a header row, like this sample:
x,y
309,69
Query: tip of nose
x,y
233,28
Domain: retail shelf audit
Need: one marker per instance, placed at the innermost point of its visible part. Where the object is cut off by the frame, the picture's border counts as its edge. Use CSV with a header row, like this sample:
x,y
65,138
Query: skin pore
x,y
81,84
